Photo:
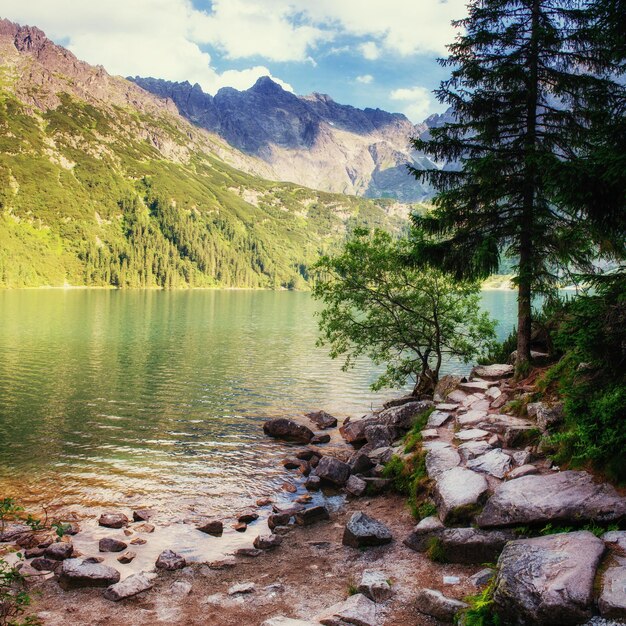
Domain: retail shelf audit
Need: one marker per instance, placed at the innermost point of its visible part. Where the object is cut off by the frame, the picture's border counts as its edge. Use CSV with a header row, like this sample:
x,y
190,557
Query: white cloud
x,y
419,102
366,79
370,50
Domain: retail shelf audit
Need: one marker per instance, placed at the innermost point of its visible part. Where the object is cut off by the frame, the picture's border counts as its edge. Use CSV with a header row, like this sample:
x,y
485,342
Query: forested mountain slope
x,y
104,184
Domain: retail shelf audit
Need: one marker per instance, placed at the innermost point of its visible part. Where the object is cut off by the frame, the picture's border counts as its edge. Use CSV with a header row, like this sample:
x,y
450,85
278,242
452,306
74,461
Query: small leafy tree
x,y
378,306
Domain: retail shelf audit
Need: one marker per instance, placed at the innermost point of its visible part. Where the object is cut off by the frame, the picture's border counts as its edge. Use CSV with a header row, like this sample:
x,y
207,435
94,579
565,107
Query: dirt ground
x,y
308,573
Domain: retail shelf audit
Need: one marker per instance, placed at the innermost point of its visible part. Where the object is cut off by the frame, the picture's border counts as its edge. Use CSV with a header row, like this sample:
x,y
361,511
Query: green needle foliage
x,y
406,318
524,76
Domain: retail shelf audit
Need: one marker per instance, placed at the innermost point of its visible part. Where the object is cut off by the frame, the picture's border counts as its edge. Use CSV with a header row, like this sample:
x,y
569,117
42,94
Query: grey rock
x,y
430,433
377,485
108,544
322,419
320,438
403,417
312,515
356,610
493,393
113,520
438,419
521,457
472,418
440,459
474,386
333,471
558,497
435,604
59,551
616,539
472,449
170,561
482,578
129,587
494,372
267,542
242,588
548,580
364,531
457,396
76,573
375,586
520,472
288,430
356,486
470,545
495,463
45,565
381,455
612,600
419,539
354,431
380,435
549,416
457,492
472,434
360,462
446,385
181,588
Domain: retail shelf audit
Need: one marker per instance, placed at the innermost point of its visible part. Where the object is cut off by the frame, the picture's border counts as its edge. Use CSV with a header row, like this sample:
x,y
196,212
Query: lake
x,y
149,398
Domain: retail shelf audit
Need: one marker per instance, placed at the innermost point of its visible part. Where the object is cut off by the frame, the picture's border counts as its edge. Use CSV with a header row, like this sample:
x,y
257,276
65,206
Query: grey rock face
x,y
435,604
612,600
170,561
288,430
457,491
380,435
548,580
76,573
363,531
560,497
495,463
357,610
375,586
333,470
129,587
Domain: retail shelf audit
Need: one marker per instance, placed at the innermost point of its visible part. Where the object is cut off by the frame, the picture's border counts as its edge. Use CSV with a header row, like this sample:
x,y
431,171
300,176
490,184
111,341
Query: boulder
x,y
170,561
403,417
356,486
470,545
212,527
129,587
548,580
127,557
435,604
557,497
357,610
375,585
549,416
111,545
267,542
612,600
439,459
333,471
458,493
288,430
380,435
418,540
438,419
76,573
59,551
445,386
322,419
523,470
363,531
495,463
360,462
113,520
354,431
493,372
312,515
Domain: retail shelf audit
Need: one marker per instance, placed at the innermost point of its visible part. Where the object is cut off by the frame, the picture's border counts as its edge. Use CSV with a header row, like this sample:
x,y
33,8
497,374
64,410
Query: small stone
x,y
128,532
111,545
313,483
242,588
375,586
435,604
493,393
320,439
240,527
181,588
145,528
431,433
248,552
482,578
127,557
267,542
261,502
142,515
309,516
289,488
451,580
278,519
304,499
472,449
495,463
438,419
248,517
59,551
292,464
222,564
129,587
94,560
138,541
521,457
34,553
356,486
170,561
364,531
113,520
212,527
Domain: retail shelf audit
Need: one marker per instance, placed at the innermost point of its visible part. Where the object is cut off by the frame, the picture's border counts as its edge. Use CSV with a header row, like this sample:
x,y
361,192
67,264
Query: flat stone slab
x,y
521,471
363,531
129,587
559,497
357,610
612,600
494,372
495,463
447,406
472,418
472,449
430,433
438,419
457,491
474,386
441,459
548,580
472,434
456,396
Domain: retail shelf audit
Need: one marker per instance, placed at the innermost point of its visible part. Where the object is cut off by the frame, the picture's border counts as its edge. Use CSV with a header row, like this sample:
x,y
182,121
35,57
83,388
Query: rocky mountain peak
x,y
25,38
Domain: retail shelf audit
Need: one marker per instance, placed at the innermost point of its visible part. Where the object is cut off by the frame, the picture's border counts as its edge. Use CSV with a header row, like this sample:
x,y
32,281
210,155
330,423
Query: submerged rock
x,y
76,573
548,580
559,497
363,531
288,430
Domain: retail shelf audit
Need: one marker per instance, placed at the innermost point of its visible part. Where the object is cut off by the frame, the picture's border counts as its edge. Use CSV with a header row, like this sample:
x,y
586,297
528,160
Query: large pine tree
x,y
521,75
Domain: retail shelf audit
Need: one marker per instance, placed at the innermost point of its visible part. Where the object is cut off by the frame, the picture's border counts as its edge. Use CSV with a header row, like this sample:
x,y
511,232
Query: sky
x,y
368,53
